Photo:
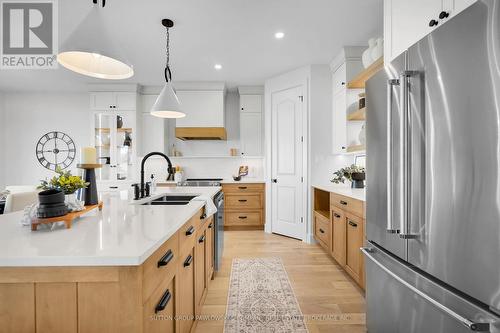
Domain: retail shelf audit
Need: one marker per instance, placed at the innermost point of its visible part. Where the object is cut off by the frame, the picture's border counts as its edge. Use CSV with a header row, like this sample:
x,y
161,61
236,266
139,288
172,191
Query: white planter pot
x,y
366,58
73,203
378,50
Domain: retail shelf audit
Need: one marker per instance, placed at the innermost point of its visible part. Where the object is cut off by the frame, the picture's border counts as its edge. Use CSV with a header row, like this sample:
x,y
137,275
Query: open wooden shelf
x,y
359,81
357,115
355,148
325,213
120,130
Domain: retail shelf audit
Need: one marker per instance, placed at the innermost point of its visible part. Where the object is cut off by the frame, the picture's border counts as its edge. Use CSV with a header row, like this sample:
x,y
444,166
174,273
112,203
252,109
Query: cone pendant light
x,y
167,105
90,51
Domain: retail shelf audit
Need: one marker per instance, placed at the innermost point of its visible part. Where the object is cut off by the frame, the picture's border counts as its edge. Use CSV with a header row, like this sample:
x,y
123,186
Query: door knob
x,y
275,180
433,23
443,15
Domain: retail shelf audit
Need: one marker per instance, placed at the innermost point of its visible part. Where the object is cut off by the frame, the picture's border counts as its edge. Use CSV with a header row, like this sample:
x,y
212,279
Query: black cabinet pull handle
x,y
274,180
162,304
433,23
202,239
190,231
242,187
166,259
352,224
322,231
203,216
188,261
242,200
336,215
342,83
242,217
443,15
342,202
210,226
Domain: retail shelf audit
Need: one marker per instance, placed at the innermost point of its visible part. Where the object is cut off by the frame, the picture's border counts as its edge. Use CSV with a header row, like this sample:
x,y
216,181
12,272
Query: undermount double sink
x,y
171,200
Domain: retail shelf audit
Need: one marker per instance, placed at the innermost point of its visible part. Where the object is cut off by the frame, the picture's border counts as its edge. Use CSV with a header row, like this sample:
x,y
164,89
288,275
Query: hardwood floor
x,y
328,298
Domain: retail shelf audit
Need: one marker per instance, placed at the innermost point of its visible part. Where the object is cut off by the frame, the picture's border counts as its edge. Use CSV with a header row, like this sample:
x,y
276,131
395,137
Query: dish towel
x,y
210,208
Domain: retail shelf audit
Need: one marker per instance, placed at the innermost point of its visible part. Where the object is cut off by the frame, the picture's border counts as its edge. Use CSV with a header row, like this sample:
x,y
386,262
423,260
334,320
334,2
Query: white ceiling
x,y
239,34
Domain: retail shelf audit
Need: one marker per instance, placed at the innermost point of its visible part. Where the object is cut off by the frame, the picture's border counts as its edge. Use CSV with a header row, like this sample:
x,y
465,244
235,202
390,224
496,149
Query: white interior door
x,y
287,163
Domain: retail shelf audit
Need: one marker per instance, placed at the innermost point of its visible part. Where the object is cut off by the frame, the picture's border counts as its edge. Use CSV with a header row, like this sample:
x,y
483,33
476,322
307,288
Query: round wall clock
x,y
55,149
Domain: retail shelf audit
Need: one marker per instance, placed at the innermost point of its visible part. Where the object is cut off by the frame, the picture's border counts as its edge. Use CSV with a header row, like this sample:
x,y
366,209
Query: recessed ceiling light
x,y
218,67
279,35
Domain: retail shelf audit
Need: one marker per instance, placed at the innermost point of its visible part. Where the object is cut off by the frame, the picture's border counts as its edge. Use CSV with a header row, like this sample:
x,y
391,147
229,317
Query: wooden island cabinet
x,y
339,227
163,294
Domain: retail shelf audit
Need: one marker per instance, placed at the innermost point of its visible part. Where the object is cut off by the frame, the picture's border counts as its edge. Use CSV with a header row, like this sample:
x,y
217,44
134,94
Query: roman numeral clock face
x,y
55,149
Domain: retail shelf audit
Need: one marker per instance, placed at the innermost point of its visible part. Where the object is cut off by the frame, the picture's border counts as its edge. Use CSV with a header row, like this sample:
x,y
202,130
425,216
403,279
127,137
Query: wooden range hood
x,y
200,133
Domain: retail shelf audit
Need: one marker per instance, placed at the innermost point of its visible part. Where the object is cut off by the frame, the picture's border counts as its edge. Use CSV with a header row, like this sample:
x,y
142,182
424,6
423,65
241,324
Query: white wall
x,y
27,116
3,142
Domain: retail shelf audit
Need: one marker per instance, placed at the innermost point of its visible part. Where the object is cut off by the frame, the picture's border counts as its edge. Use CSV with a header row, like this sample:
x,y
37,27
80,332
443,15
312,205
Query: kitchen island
x,y
128,268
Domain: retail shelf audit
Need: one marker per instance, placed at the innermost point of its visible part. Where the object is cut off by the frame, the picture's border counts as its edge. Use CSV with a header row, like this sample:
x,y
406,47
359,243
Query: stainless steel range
x,y
219,216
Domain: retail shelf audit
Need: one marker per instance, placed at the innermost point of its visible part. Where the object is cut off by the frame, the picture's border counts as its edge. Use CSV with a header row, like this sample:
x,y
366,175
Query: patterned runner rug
x,y
261,299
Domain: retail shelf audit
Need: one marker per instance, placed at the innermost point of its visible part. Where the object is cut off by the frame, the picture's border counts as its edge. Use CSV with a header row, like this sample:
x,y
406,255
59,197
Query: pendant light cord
x,y
168,73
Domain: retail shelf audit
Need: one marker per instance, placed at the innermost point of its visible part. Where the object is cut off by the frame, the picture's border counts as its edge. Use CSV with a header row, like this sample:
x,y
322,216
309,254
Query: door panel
x,y
458,224
392,307
287,159
339,236
377,166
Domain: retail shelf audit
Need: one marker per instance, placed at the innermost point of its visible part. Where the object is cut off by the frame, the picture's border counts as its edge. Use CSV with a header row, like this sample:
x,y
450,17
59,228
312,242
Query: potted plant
x,y
67,183
355,174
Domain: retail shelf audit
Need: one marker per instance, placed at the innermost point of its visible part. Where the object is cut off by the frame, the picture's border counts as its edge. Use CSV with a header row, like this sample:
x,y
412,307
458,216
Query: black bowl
x,y
50,197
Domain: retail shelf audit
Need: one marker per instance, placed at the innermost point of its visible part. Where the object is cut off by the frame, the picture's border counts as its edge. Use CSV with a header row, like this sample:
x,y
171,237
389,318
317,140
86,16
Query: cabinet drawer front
x,y
354,240
243,188
187,235
160,265
243,218
350,205
322,229
245,201
158,311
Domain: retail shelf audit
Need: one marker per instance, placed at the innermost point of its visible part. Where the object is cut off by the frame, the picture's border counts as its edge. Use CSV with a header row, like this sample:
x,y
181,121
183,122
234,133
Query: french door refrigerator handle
x,y
473,326
390,226
404,155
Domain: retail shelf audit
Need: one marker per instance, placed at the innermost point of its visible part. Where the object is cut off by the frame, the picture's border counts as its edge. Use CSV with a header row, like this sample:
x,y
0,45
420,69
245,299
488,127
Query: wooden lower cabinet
x,y
186,275
159,310
346,230
354,264
244,206
338,236
153,297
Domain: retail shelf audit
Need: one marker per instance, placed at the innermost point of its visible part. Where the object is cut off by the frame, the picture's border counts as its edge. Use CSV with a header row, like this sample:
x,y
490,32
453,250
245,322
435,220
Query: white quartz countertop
x,y
124,233
243,181
355,193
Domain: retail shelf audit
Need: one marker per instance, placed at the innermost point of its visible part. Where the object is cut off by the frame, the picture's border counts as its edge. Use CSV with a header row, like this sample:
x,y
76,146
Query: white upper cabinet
x,y
339,79
202,108
251,103
339,122
251,121
113,101
408,21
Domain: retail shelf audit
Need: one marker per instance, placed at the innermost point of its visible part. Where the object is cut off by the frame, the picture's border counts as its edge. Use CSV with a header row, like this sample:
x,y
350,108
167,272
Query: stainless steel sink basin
x,y
171,200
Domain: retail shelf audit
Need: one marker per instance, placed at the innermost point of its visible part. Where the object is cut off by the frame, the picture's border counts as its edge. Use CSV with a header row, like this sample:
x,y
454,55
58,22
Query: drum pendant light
x,y
90,51
167,105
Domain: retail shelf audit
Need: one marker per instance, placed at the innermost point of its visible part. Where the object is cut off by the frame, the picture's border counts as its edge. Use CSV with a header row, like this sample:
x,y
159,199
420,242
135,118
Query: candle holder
x,y
89,194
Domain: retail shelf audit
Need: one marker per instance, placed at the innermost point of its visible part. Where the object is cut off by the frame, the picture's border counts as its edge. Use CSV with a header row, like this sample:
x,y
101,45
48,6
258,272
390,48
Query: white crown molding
x,y
186,86
251,90
123,87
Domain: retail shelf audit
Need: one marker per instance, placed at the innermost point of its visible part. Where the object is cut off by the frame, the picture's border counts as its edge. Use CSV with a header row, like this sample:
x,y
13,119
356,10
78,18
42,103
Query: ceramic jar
x,y
378,49
366,58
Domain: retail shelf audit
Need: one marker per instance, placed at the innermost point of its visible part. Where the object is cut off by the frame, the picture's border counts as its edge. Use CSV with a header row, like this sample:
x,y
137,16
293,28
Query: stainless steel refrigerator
x,y
433,181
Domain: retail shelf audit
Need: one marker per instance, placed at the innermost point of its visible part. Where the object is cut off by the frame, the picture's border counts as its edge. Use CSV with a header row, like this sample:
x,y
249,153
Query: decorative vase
x,y
362,135
358,179
366,58
377,50
119,121
73,203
